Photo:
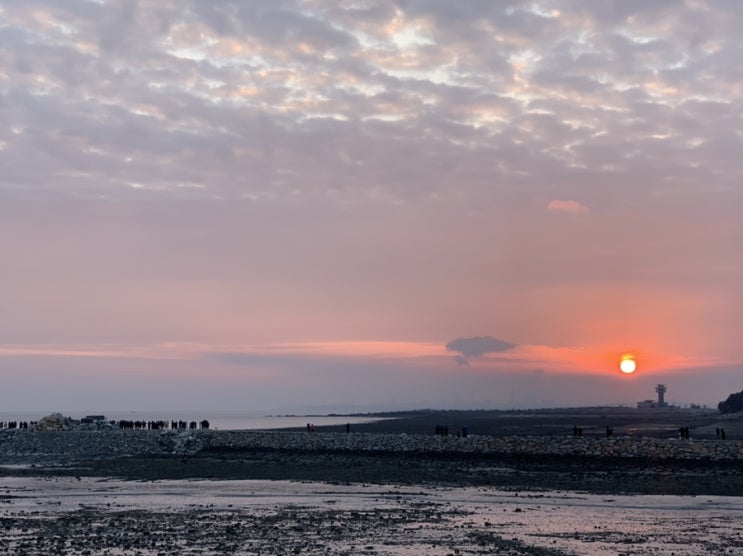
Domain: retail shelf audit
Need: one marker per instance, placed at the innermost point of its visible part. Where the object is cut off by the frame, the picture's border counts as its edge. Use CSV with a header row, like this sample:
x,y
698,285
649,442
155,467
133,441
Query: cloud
x,y
477,347
303,98
558,205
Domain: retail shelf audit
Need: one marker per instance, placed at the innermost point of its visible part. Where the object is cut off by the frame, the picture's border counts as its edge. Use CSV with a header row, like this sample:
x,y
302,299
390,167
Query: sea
x,y
218,419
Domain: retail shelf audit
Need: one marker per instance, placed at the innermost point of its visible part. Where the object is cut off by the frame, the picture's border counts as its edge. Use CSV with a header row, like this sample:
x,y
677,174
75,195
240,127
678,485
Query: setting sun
x,y
627,365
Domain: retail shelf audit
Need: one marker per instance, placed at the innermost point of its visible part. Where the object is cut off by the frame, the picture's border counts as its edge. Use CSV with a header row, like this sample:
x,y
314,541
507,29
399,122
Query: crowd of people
x,y
122,424
443,430
17,424
161,425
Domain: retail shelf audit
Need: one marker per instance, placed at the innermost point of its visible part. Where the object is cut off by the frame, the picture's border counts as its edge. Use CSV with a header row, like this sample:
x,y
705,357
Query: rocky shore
x,y
613,447
35,446
605,465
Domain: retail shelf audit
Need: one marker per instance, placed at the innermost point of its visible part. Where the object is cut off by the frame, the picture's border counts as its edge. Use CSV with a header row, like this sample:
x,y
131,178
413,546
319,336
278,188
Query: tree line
x,y
733,404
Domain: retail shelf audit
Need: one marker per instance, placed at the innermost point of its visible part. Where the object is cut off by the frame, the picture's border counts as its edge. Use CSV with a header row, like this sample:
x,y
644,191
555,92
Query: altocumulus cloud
x,y
477,347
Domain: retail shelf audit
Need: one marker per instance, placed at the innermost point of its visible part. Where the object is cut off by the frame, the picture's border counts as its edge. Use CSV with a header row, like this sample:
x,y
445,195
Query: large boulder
x,y
56,422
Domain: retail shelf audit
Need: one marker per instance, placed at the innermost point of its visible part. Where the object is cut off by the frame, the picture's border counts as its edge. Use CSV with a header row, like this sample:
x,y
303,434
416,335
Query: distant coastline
x,y
660,423
218,420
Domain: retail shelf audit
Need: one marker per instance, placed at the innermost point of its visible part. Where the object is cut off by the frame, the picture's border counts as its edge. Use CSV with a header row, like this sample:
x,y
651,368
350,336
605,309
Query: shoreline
x,y
337,458
521,450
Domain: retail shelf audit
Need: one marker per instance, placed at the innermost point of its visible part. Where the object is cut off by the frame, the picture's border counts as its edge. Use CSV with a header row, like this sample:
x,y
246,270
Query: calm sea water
x,y
221,420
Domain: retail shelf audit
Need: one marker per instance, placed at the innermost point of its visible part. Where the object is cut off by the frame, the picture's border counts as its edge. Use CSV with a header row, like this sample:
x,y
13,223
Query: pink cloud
x,y
558,205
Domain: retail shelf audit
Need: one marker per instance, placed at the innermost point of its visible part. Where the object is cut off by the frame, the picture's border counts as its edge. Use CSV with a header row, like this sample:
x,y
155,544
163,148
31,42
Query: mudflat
x,y
108,516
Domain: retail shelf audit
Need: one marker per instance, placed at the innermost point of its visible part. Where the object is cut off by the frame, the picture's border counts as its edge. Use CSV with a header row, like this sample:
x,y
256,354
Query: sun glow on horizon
x,y
627,364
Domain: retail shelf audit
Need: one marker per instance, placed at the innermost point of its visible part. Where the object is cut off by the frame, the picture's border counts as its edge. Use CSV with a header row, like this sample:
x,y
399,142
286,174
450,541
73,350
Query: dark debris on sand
x,y
414,528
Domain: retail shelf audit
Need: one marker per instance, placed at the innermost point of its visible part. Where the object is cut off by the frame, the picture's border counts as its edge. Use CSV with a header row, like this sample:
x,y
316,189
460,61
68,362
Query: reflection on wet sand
x,y
65,515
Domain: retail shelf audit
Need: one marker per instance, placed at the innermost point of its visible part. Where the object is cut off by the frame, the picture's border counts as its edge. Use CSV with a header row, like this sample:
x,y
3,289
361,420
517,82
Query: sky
x,y
369,204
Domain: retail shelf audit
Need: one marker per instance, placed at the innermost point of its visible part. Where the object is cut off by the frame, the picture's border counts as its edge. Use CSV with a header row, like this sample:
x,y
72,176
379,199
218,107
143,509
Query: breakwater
x,y
41,446
21,445
619,446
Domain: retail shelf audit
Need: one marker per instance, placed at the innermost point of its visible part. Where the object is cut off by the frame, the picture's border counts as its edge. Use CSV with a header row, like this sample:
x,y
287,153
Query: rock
x,y
56,422
105,443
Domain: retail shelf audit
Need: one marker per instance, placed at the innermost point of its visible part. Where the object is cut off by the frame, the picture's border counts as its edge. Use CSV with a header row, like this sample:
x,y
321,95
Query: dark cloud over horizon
x,y
477,347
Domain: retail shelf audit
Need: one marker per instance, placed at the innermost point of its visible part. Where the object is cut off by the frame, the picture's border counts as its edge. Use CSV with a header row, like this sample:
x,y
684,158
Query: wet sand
x,y
590,475
106,516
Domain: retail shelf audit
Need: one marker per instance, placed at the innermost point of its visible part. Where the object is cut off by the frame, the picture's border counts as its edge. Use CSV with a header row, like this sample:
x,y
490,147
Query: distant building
x,y
661,391
655,404
93,419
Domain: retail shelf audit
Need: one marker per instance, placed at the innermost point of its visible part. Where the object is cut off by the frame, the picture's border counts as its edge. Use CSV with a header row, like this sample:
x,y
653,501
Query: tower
x,y
661,391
